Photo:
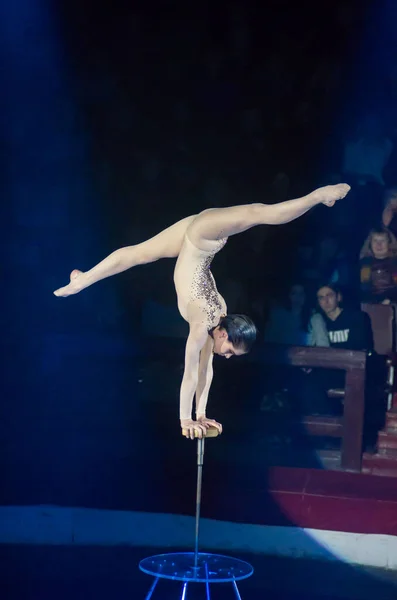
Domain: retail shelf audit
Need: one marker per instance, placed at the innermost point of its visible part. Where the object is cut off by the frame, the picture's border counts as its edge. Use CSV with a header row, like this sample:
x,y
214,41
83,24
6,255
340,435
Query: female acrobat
x,y
194,241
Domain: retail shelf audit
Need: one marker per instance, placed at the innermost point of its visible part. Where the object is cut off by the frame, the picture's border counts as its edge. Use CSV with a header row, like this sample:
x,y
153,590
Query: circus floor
x,y
75,573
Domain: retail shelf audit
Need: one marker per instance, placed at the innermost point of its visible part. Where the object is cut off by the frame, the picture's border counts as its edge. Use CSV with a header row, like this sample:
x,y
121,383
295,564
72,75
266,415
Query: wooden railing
x,y
350,426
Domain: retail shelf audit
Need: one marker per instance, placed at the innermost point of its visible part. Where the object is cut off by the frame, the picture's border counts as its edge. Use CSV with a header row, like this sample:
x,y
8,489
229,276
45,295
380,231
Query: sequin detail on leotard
x,y
204,287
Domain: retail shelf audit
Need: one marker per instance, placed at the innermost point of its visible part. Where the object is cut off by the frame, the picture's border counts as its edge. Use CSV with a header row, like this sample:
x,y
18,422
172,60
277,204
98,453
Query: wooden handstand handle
x,y
210,433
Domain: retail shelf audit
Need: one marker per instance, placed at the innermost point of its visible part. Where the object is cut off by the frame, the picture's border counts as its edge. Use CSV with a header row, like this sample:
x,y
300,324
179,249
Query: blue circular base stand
x,y
196,567
206,568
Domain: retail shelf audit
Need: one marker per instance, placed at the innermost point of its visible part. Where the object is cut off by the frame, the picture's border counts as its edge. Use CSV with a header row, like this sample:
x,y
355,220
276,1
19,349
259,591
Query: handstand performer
x,y
194,241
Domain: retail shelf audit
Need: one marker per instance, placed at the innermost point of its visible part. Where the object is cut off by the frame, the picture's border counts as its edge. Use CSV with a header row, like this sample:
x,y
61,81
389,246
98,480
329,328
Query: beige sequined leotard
x,y
195,285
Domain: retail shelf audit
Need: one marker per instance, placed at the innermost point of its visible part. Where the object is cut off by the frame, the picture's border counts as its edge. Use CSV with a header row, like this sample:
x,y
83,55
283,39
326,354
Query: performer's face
x,y
223,346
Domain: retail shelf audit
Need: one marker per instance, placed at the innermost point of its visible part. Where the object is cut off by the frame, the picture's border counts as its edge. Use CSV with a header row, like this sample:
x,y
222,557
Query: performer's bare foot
x,y
329,194
74,287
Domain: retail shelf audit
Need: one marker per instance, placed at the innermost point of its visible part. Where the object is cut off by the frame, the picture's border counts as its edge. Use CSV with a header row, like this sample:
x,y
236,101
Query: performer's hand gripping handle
x,y
210,432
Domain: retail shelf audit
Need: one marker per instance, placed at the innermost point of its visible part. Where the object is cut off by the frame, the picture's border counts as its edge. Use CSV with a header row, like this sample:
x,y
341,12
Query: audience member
x,y
291,324
347,328
378,267
389,215
324,261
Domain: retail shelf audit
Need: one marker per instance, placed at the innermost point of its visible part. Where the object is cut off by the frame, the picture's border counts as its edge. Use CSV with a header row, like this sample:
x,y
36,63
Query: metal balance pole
x,y
196,567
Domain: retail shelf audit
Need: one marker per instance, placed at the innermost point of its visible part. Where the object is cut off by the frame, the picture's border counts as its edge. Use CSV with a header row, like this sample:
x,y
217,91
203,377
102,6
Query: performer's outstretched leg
x,y
166,244
212,224
218,223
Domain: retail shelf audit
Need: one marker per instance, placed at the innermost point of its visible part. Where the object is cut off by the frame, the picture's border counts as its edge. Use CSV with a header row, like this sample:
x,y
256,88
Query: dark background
x,y
117,120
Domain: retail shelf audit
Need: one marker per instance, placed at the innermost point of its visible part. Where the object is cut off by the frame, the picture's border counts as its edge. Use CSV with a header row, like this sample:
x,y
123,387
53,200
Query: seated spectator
x,y
389,215
323,262
291,324
347,328
318,334
378,267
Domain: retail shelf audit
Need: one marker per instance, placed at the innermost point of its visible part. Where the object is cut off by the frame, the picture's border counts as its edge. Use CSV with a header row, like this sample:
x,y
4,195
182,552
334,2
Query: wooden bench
x,y
349,427
384,460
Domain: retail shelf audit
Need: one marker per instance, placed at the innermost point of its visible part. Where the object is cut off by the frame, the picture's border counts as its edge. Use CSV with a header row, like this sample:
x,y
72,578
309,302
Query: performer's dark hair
x,y
240,329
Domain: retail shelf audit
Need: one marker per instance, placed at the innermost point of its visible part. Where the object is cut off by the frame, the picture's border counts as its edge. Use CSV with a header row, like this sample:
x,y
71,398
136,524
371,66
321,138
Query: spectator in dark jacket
x,y
347,328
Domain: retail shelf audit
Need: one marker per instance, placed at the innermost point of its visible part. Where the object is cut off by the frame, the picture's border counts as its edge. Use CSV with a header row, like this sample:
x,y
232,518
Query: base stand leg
x,y
236,591
150,592
207,583
183,596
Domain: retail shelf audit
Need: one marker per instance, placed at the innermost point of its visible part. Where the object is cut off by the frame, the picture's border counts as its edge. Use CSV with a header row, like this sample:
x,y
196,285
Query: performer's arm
x,y
198,336
204,378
